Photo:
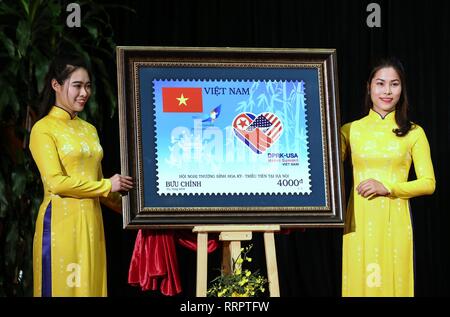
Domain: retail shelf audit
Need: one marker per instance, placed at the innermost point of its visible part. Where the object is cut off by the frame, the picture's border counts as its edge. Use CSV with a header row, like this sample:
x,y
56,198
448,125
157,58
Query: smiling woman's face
x,y
385,90
73,94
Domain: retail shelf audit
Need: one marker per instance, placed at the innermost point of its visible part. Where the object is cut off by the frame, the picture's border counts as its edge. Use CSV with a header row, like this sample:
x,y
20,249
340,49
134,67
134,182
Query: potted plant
x,y
241,282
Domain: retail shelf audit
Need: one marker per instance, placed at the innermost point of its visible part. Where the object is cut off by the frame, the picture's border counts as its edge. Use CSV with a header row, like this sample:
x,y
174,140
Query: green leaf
x,y
3,201
13,101
8,44
8,97
12,237
93,30
23,35
25,6
19,181
34,7
54,7
14,66
6,9
41,65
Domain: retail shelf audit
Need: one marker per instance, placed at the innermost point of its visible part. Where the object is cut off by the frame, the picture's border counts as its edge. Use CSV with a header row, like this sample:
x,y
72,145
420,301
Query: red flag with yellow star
x,y
182,99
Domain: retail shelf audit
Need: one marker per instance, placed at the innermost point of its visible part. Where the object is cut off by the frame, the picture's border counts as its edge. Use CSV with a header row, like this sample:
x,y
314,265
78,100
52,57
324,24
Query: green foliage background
x,y
32,33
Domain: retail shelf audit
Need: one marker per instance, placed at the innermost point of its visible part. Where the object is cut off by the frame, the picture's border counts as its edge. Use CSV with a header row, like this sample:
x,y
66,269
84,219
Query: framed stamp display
x,y
230,136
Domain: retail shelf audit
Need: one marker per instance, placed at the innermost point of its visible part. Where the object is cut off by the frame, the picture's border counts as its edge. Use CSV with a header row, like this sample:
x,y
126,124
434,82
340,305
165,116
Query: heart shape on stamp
x,y
258,132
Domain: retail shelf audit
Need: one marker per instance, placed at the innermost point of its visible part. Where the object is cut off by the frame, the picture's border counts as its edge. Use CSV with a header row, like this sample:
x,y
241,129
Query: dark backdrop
x,y
309,262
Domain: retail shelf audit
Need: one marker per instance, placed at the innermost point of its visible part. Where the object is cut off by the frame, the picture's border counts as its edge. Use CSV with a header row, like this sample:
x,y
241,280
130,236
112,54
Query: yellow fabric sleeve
x,y
113,200
345,136
45,154
425,182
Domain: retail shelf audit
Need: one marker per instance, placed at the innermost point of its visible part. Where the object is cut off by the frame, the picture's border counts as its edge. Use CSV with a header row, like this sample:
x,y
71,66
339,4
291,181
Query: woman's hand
x,y
371,187
121,183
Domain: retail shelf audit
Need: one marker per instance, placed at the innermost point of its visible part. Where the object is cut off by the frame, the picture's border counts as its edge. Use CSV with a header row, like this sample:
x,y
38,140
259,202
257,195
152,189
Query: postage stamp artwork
x,y
231,137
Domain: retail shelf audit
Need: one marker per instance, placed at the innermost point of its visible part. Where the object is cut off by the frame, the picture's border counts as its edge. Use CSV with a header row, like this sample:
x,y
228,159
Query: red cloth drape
x,y
154,261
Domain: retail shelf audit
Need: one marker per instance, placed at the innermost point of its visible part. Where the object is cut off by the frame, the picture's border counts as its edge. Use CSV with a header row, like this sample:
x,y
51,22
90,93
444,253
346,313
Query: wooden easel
x,y
232,235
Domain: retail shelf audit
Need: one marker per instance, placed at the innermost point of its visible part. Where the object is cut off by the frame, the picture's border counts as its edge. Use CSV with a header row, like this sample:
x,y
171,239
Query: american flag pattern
x,y
258,132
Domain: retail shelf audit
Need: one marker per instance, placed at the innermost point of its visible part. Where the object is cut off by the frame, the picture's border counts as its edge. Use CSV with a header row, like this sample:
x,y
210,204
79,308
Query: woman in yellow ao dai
x,y
69,257
378,237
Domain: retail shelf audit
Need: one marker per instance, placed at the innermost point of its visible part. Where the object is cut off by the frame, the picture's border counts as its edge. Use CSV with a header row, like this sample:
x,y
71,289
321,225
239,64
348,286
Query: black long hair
x,y
60,69
401,108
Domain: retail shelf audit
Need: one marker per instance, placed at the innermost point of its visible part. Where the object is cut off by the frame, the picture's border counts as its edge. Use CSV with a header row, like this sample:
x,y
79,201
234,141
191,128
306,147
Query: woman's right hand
x,y
121,183
370,187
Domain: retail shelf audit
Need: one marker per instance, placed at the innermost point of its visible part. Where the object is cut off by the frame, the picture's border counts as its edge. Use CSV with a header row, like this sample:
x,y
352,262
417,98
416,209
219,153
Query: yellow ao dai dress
x,y
378,237
69,247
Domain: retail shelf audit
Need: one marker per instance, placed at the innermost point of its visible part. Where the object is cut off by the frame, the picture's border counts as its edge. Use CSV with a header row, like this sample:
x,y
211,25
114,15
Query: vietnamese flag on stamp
x,y
181,99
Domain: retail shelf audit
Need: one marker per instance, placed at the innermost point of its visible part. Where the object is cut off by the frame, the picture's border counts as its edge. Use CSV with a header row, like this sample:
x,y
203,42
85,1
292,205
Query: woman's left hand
x,y
370,187
121,183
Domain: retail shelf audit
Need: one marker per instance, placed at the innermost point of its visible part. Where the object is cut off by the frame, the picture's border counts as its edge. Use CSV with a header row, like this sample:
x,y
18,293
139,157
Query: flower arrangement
x,y
240,283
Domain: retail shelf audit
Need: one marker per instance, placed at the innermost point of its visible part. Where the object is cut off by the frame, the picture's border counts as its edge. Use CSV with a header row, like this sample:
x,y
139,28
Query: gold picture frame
x,y
242,179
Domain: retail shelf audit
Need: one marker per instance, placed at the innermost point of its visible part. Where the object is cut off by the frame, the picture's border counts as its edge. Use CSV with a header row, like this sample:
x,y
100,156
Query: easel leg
x,y
271,260
226,256
202,263
230,253
235,250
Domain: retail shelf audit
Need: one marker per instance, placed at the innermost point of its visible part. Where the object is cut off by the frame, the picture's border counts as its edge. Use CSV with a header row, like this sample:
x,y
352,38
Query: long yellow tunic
x,y
69,256
378,238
